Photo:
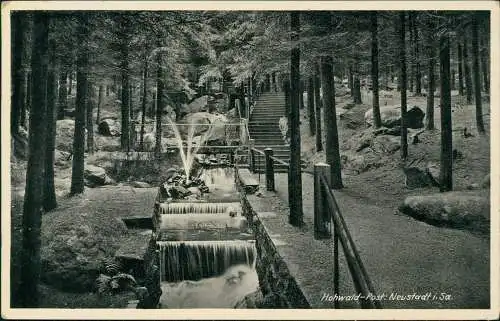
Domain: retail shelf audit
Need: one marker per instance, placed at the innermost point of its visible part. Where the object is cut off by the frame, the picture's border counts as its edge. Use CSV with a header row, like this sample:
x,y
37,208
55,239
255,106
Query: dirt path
x,y
405,256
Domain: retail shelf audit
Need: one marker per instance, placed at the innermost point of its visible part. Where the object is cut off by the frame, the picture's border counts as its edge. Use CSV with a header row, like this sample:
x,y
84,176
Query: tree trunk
x,y
357,90
332,136
317,106
82,66
70,85
295,189
468,77
402,63
477,78
18,72
460,70
412,51
301,95
310,106
446,175
99,104
418,72
144,100
125,108
107,90
130,101
29,99
377,122
33,197
90,122
431,85
452,79
485,66
351,80
49,201
159,103
63,93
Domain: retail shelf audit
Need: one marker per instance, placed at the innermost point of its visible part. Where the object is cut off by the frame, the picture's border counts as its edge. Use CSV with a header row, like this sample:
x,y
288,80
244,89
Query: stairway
x,y
264,128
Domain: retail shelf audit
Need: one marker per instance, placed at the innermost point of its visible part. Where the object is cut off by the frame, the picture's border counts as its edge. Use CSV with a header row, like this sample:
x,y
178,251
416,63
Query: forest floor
x,y
383,181
380,185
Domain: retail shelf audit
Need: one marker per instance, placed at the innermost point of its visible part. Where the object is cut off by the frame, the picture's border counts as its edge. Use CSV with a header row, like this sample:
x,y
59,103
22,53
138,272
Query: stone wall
x,y
279,288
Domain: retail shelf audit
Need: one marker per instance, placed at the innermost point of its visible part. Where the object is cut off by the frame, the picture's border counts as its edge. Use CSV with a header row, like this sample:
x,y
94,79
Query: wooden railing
x,y
326,212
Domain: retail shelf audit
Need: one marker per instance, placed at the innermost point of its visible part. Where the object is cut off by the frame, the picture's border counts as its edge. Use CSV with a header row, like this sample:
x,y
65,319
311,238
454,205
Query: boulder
x,y
96,176
212,126
470,210
198,105
138,184
386,144
194,190
391,116
178,192
433,170
109,127
74,247
359,163
61,158
417,178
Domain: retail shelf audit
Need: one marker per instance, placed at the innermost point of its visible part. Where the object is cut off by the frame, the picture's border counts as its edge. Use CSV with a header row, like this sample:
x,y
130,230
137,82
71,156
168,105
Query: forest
x,y
372,93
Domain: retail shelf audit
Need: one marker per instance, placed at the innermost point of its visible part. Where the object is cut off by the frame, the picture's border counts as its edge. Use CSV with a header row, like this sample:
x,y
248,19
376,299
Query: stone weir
x,y
202,253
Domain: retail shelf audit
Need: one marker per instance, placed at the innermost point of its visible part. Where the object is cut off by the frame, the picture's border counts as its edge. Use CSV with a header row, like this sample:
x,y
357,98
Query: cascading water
x,y
208,274
188,155
198,208
195,260
226,291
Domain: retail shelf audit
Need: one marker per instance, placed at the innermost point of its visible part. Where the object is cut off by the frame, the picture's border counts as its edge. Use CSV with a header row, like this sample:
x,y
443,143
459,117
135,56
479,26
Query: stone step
x,y
170,222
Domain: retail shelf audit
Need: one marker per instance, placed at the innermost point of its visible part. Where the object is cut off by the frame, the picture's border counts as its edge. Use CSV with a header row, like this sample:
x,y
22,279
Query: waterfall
x,y
199,208
195,260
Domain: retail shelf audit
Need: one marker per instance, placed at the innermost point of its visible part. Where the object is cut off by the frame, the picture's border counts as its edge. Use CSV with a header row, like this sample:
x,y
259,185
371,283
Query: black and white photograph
x,y
249,159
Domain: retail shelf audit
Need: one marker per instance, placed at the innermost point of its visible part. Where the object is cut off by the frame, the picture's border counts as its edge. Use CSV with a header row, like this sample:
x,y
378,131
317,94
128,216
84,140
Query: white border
x,y
230,314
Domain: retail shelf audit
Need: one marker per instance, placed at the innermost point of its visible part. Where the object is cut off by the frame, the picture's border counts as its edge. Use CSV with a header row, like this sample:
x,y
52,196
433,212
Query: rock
x,y
74,247
198,105
194,190
433,170
211,126
20,143
178,192
457,209
472,186
65,130
485,182
364,141
109,127
391,116
61,158
416,178
95,174
386,144
138,184
394,131
359,163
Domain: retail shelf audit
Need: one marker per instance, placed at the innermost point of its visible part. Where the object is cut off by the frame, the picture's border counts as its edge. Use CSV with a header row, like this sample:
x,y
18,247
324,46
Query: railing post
x,y
321,215
269,169
251,155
